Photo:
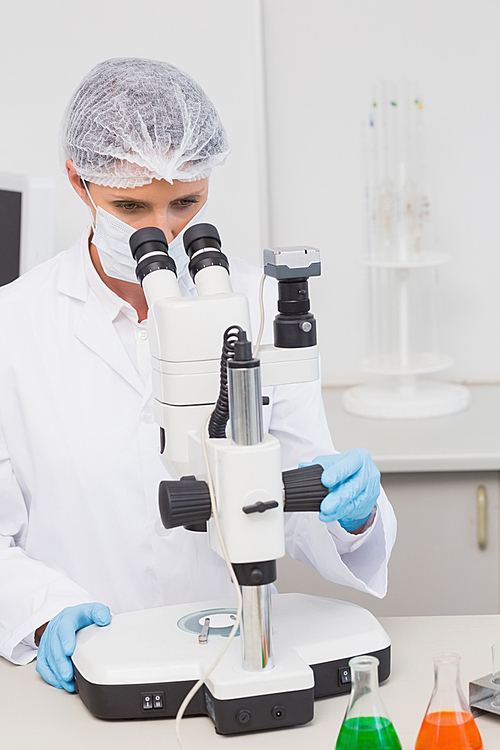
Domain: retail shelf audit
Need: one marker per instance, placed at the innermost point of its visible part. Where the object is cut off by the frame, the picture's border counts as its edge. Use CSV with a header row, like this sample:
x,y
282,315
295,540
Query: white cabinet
x,y
437,566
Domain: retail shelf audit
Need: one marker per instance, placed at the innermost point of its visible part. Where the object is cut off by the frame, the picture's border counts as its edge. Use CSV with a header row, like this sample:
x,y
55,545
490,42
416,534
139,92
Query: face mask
x,y
111,236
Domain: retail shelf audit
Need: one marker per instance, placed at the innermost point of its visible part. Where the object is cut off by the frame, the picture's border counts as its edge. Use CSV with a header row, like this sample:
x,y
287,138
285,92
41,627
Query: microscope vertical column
x,y
245,409
256,628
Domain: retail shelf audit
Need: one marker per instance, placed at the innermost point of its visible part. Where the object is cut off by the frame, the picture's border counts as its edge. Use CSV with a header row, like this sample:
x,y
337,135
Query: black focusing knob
x,y
184,502
304,490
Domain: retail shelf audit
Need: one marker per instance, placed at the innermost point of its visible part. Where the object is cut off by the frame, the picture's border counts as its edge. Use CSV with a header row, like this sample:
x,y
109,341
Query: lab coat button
x,y
148,416
143,335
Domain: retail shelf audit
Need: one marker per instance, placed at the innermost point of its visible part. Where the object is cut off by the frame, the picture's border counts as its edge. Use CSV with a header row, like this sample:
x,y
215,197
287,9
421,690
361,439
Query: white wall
x,y
48,47
322,59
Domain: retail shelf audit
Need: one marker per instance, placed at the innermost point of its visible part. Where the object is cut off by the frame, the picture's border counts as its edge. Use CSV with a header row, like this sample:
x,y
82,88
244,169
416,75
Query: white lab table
x,y
34,715
467,441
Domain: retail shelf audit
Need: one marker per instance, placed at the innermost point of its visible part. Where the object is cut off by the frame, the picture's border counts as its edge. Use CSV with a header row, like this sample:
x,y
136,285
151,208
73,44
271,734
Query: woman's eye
x,y
127,206
186,202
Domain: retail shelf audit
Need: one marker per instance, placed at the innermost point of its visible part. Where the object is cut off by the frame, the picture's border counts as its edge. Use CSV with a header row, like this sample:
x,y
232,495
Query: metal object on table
x,y
203,636
484,696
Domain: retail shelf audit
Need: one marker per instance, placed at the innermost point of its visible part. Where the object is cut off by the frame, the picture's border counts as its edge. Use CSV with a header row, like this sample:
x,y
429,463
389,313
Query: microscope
x,y
290,648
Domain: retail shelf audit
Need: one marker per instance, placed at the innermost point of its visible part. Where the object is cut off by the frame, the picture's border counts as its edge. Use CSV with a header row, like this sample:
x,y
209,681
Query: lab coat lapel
x,y
97,332
94,328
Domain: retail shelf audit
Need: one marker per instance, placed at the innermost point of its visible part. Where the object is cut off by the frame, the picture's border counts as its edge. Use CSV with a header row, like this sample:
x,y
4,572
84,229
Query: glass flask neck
x,y
364,674
365,698
447,694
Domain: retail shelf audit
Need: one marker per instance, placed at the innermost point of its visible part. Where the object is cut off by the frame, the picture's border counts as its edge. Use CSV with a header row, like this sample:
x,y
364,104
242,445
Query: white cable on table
x,y
215,513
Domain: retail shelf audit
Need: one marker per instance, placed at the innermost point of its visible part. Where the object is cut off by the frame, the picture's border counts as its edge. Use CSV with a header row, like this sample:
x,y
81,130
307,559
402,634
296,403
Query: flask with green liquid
x,y
366,725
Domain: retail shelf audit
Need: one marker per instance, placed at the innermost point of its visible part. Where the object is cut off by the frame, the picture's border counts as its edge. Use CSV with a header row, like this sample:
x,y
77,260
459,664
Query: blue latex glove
x,y
354,484
59,640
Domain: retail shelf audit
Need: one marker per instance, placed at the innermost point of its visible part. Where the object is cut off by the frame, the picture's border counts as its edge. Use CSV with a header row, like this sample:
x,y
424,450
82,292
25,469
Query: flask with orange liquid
x,y
448,722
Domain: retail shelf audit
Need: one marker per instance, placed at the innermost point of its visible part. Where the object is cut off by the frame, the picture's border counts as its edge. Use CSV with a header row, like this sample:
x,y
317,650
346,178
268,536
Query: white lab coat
x,y
79,467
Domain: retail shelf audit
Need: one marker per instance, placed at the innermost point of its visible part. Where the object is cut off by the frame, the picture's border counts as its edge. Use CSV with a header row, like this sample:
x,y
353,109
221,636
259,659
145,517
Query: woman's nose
x,y
166,226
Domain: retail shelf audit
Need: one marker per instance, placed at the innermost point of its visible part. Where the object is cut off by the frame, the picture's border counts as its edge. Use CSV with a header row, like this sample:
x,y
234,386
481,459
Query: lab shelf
x,y
467,441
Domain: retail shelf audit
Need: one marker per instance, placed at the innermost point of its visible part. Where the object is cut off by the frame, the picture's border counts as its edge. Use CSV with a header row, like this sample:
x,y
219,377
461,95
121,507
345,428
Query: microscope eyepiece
x,y
200,237
149,248
202,244
147,240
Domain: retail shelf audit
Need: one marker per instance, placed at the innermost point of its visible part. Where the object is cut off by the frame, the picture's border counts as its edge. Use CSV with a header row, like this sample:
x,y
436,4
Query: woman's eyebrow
x,y
188,195
134,199
126,199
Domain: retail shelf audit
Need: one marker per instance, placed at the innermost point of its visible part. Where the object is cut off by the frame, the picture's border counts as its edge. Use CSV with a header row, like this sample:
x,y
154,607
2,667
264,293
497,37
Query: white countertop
x,y
35,715
468,441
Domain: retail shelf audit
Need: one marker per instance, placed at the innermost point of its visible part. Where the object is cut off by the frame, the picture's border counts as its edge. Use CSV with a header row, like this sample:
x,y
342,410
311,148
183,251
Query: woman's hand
x,y
59,641
353,482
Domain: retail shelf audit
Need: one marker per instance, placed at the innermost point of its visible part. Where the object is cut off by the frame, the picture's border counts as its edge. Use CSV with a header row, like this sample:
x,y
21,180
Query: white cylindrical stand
x,y
412,399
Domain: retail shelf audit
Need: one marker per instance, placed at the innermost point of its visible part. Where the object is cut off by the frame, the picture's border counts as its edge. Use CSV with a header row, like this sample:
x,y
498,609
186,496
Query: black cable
x,y
220,415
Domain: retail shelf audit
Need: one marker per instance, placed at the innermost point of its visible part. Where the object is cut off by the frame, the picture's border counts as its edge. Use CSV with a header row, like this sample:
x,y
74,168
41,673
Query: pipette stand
x,y
406,398
402,272
405,392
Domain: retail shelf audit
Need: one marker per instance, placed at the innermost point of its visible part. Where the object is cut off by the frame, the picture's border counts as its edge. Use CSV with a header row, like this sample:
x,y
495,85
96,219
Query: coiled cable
x,y
220,415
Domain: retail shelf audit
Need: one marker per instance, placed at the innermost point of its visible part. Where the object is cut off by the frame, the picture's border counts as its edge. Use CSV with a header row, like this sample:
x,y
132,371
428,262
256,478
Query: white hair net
x,y
132,120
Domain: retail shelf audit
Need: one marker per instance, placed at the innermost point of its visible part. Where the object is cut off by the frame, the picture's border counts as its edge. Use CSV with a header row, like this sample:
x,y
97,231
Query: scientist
x,y
79,463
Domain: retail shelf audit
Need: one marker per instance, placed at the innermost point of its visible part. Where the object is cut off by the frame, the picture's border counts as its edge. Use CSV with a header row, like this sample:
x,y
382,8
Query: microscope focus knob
x,y
303,488
185,502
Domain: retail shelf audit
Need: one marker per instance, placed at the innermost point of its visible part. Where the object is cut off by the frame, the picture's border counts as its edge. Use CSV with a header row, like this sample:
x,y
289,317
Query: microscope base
x,y
144,663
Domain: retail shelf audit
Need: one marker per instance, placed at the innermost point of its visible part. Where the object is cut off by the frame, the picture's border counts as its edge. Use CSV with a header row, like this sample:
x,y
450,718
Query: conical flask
x,y
448,722
366,725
